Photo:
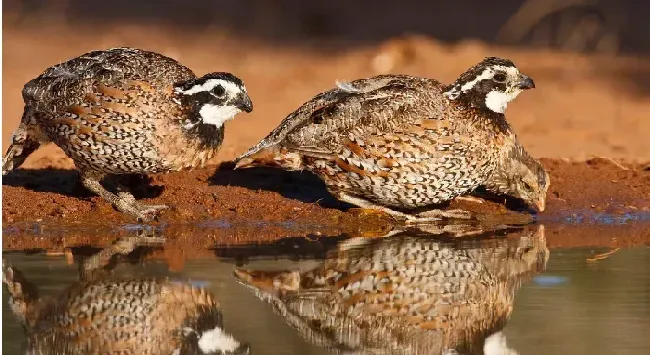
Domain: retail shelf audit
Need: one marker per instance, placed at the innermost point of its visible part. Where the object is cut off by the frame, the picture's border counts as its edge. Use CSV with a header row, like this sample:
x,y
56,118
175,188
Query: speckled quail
x,y
102,314
407,294
123,111
398,142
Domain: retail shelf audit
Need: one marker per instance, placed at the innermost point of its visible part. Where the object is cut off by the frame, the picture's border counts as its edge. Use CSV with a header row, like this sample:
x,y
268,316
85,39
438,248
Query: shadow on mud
x,y
302,186
67,183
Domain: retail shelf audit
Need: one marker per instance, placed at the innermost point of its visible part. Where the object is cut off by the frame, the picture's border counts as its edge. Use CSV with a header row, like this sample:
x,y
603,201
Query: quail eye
x,y
219,91
499,77
527,187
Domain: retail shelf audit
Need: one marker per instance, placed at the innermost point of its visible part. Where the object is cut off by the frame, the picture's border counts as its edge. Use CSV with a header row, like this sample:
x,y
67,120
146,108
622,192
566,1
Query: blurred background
x,y
590,59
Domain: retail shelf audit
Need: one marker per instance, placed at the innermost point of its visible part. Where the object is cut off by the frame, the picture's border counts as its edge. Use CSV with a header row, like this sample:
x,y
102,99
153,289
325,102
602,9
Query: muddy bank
x,y
248,199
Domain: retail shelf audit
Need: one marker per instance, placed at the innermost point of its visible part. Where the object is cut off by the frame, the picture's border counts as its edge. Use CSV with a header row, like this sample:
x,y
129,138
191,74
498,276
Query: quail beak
x,y
244,103
540,204
525,82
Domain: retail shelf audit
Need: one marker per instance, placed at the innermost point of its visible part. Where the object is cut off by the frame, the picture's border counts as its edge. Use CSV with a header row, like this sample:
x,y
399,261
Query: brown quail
x,y
124,111
407,294
398,142
102,314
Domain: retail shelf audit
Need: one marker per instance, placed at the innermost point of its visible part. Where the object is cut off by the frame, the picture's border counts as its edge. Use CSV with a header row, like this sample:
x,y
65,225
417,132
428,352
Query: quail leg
x,y
423,217
124,202
449,214
96,265
123,193
367,205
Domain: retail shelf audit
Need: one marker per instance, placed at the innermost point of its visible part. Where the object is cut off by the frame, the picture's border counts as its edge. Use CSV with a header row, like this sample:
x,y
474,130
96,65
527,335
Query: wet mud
x,y
599,202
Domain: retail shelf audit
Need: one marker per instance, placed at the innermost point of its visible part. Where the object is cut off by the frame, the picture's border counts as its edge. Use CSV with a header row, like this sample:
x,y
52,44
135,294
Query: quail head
x,y
405,145
526,179
491,84
215,98
125,111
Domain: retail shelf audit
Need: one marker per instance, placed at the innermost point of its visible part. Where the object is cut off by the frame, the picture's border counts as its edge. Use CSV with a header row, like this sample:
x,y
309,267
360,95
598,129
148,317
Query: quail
x,y
126,111
407,294
102,314
399,143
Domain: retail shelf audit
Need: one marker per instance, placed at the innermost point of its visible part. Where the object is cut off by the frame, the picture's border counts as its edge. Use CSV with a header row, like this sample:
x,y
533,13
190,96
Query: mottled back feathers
x,y
63,84
404,142
393,139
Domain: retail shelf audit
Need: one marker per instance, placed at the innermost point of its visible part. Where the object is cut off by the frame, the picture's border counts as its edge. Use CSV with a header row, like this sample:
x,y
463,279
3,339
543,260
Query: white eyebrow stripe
x,y
487,74
211,84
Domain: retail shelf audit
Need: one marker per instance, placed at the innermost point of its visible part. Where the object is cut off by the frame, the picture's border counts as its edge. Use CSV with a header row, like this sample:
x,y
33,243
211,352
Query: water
x,y
460,290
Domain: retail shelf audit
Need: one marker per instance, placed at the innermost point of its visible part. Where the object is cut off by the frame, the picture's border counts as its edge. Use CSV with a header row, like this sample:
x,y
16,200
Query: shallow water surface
x,y
405,294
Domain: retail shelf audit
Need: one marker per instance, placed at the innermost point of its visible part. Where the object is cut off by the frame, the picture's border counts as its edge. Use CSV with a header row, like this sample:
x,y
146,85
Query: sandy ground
x,y
583,106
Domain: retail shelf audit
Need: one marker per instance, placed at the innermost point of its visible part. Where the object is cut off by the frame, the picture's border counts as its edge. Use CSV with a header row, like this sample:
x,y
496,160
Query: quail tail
x,y
271,156
22,146
22,294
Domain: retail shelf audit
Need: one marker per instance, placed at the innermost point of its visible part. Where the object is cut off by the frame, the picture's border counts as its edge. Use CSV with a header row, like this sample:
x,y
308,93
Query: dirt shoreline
x,y
263,205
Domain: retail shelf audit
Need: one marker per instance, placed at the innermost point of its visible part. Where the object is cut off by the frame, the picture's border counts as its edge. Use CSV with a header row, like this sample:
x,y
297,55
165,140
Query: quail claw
x,y
147,213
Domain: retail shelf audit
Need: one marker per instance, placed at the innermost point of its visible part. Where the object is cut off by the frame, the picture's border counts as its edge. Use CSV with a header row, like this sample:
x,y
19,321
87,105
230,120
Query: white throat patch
x,y
495,344
215,340
211,84
497,101
217,115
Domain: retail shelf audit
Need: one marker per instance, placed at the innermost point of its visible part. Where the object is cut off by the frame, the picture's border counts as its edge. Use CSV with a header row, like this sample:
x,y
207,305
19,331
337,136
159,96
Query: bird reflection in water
x,y
101,314
407,294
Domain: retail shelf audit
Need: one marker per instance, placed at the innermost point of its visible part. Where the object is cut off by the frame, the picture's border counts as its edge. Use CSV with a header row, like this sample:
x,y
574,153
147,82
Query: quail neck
x,y
490,85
